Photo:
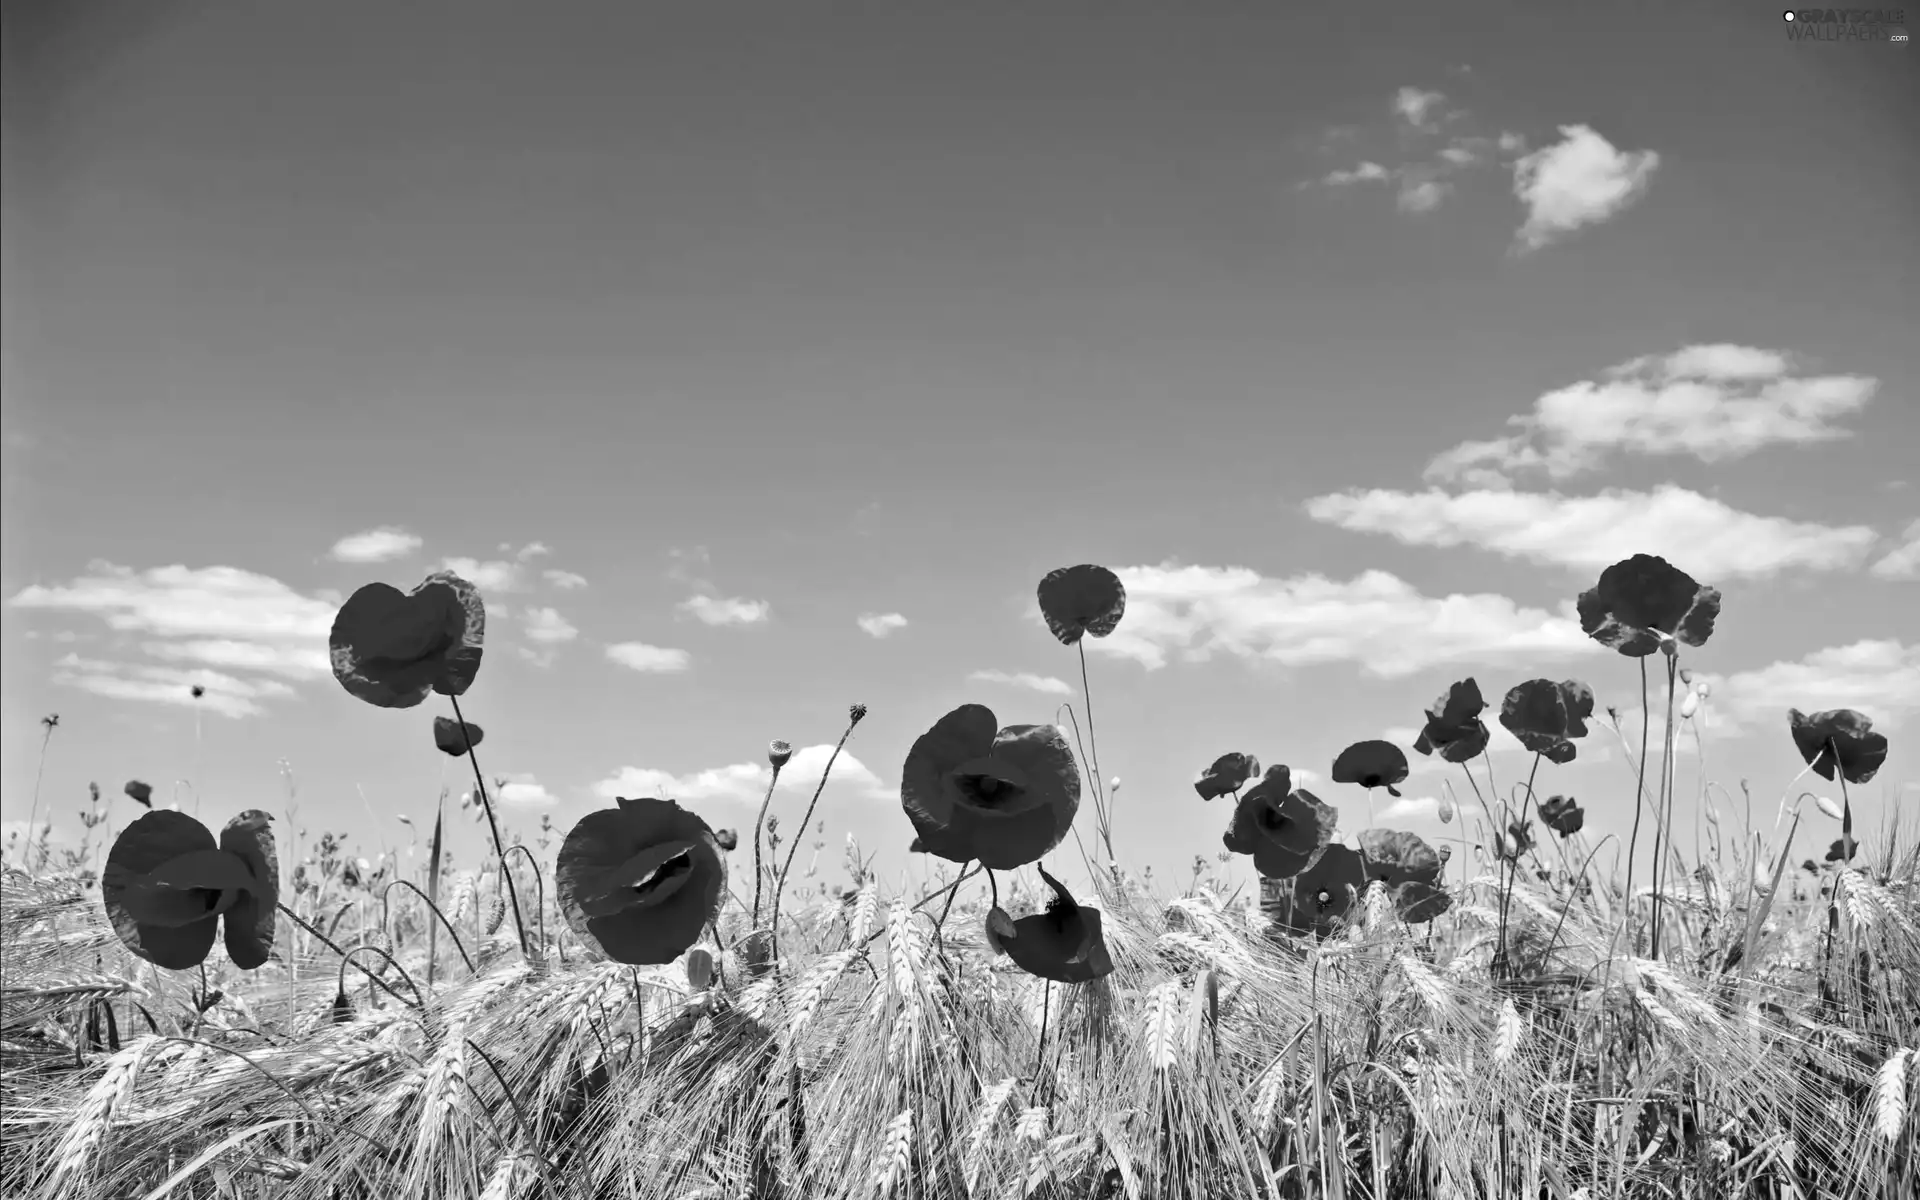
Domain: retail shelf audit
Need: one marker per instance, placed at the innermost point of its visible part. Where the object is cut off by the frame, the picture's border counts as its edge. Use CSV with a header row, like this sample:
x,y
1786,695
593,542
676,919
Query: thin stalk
x,y
759,823
493,827
780,887
52,722
1662,805
1099,780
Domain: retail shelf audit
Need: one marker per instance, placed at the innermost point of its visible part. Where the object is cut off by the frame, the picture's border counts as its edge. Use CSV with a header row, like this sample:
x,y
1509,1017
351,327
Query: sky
x,y
756,361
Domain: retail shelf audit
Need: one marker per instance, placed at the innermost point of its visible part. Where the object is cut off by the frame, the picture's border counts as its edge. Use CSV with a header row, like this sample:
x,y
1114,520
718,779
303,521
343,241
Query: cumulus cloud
x,y
527,792
639,656
879,625
493,576
730,610
1374,620
376,545
1713,402
1410,808
1880,678
1578,181
218,625
564,580
547,625
1904,561
531,550
748,780
1046,684
1708,538
1415,106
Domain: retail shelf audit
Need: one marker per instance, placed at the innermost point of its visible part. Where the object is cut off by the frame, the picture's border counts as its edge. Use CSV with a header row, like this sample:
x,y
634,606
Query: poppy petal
x,y
393,649
146,844
1086,599
964,734
447,736
1229,773
1004,798
648,878
1373,763
1838,738
613,841
249,924
1639,599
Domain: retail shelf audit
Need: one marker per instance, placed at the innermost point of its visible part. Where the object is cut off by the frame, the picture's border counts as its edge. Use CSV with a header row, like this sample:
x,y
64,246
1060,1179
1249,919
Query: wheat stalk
x,y
1890,1094
894,1152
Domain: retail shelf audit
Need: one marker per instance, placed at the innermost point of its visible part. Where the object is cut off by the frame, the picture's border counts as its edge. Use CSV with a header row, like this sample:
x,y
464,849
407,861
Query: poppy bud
x,y
699,969
1689,706
1705,689
727,838
778,753
856,713
1686,676
1446,812
198,691
1826,805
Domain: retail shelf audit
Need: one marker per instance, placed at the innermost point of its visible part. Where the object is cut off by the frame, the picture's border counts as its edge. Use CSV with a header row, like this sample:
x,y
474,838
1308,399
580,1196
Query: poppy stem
x,y
780,886
1663,805
1639,805
33,813
1509,868
1093,743
493,827
759,823
328,943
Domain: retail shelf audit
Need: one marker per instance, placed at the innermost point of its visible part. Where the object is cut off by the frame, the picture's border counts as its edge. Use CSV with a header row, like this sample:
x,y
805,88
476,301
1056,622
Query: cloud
x,y
1366,172
879,625
1580,180
495,576
533,550
547,625
227,695
1414,106
526,791
1419,195
1904,561
1410,808
1706,538
729,611
656,659
1713,402
1879,678
376,545
1046,684
566,581
748,780
1375,620
214,617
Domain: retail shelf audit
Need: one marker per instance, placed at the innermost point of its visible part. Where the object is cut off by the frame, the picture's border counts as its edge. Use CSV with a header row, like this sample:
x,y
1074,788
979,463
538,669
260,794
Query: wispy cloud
x,y
566,581
639,656
491,576
1366,172
1410,808
1046,684
1375,620
1416,107
731,610
1711,402
216,617
525,791
1578,181
1903,562
1709,537
879,625
547,625
748,780
1880,678
376,545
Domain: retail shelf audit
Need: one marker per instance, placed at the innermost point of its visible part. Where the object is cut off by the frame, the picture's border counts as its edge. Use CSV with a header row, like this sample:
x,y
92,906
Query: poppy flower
x,y
167,885
1063,944
1005,798
1082,600
391,648
1372,764
1454,727
1843,849
1838,737
640,881
1322,894
1409,869
1562,815
142,793
1229,773
1544,715
447,736
1645,601
1517,840
1283,830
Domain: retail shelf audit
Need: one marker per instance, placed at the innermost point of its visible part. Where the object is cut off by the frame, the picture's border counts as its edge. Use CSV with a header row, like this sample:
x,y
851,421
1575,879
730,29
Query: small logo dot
x,y
1789,14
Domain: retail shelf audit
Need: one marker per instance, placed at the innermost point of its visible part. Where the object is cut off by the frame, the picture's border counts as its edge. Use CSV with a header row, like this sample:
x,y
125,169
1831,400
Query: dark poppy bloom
x,y
1408,869
1322,894
1229,773
1063,944
167,886
1005,798
1838,737
1082,600
1562,815
1454,727
1645,601
1282,830
392,648
142,793
1517,840
1842,850
447,736
1544,715
640,881
1372,764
